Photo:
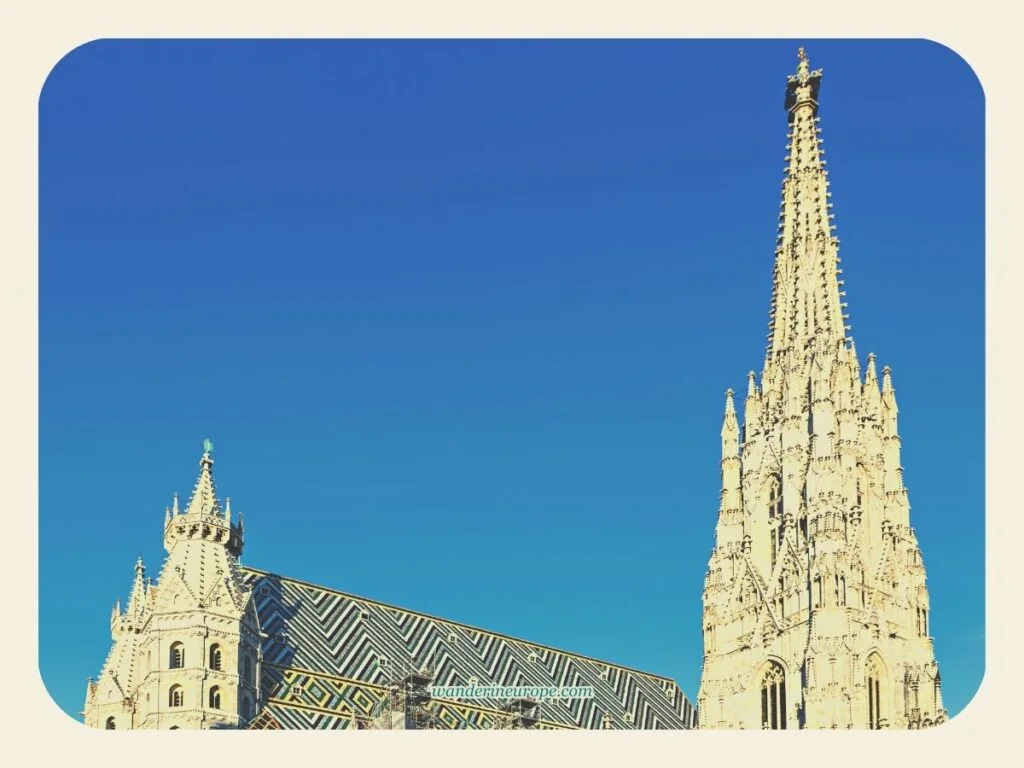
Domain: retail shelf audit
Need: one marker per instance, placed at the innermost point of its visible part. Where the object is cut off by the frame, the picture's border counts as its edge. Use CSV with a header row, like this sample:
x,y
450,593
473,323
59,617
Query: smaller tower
x,y
186,650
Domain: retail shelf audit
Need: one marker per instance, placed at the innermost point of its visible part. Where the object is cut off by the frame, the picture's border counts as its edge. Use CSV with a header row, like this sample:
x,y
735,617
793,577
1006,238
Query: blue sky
x,y
471,307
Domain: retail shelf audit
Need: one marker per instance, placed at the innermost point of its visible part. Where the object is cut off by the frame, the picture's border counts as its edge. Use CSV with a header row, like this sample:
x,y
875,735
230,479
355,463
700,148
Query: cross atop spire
x,y
802,88
803,68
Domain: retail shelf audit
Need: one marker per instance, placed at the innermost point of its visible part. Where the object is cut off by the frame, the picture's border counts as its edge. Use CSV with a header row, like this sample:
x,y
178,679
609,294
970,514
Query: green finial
x,y
207,445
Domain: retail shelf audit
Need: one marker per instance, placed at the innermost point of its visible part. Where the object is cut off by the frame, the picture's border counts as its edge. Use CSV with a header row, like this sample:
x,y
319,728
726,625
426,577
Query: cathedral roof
x,y
328,657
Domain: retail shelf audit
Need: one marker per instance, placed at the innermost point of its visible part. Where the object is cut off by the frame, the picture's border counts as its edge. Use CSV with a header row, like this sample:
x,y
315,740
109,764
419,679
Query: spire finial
x,y
871,378
887,379
751,384
730,408
174,507
803,66
204,497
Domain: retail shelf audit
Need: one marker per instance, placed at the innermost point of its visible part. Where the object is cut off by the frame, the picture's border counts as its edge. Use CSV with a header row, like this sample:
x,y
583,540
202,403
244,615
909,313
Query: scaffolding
x,y
405,706
518,714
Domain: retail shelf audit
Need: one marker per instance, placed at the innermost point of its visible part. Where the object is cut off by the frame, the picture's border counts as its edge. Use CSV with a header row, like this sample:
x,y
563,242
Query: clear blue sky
x,y
470,308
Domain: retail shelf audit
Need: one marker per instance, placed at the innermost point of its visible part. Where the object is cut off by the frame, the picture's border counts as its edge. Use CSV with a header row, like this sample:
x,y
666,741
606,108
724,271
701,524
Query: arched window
x,y
874,674
111,724
176,696
177,660
215,697
246,708
773,698
247,669
215,657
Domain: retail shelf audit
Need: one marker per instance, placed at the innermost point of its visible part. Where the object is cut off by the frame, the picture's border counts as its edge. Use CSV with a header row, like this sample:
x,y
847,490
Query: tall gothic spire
x,y
815,583
806,297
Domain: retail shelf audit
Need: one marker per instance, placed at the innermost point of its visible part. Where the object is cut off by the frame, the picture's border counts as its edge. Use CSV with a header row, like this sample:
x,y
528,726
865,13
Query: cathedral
x,y
815,610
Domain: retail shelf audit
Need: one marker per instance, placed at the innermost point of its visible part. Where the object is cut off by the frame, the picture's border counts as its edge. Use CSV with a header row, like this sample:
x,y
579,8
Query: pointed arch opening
x,y
773,697
176,696
774,497
775,512
862,485
874,674
177,656
111,724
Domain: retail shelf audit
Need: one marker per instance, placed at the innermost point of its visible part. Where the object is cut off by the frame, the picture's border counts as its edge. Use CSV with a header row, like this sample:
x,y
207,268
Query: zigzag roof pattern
x,y
328,657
